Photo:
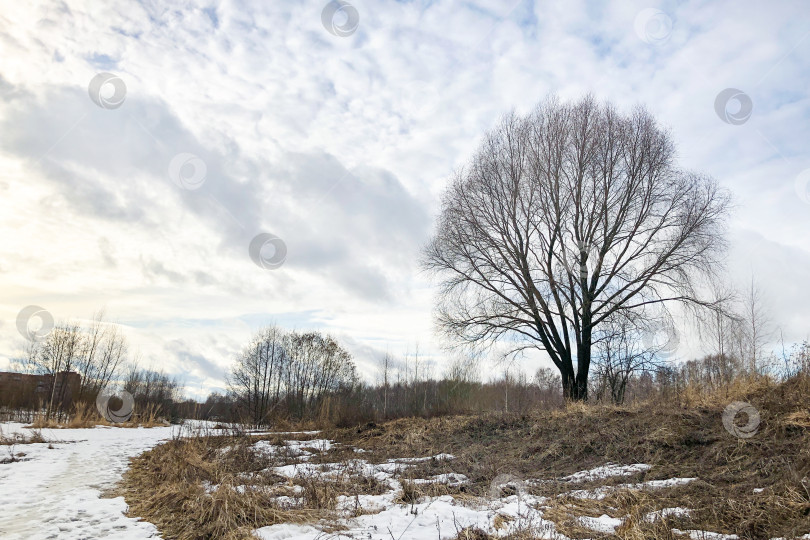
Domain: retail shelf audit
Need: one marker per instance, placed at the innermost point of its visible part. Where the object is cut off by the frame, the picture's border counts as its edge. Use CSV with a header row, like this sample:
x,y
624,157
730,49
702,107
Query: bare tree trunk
x,y
569,385
385,388
506,391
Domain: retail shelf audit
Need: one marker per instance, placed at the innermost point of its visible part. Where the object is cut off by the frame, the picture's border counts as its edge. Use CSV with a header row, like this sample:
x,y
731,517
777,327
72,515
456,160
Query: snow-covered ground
x,y
442,517
57,492
435,517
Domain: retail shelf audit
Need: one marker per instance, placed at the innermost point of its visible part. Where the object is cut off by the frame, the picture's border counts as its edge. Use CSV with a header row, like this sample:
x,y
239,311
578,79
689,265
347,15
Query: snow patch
x,y
667,512
437,457
602,492
438,518
298,449
606,471
706,535
451,479
603,523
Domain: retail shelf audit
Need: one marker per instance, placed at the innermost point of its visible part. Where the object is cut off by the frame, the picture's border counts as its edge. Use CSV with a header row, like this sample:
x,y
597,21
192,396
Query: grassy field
x,y
225,486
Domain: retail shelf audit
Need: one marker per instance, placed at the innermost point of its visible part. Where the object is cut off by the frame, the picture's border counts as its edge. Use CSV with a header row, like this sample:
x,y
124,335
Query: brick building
x,y
25,390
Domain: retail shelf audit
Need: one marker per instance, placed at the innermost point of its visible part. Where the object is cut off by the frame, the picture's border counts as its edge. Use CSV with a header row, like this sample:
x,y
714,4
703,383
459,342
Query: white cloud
x,y
341,147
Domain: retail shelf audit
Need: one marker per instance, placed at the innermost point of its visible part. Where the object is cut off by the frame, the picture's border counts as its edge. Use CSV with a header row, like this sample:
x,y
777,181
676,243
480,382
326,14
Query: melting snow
x,y
299,449
602,492
436,518
57,493
451,479
706,535
437,457
607,471
667,512
603,524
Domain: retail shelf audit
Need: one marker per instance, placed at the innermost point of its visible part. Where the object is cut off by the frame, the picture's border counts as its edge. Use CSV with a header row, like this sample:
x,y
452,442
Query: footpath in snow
x,y
58,492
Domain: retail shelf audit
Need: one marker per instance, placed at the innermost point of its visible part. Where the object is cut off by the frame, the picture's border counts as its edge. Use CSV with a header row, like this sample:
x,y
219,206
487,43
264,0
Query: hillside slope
x,y
588,471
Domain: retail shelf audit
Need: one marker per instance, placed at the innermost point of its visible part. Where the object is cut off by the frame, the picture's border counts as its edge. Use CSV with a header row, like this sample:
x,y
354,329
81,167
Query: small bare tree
x,y
563,218
758,325
740,326
721,323
622,352
386,362
55,356
101,356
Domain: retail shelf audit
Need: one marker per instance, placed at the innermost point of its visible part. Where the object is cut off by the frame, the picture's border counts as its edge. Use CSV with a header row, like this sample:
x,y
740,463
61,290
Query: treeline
x,y
292,377
289,377
96,353
157,395
354,402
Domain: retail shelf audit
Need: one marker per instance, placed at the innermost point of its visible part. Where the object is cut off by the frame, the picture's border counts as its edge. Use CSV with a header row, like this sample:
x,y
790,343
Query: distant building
x,y
25,390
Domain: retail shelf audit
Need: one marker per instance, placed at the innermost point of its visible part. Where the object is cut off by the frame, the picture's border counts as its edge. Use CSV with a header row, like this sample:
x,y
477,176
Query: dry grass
x,y
35,436
166,485
86,416
413,492
214,486
11,441
678,441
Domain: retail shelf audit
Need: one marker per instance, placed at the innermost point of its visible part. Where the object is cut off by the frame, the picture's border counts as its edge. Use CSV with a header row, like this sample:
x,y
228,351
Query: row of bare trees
x,y
735,335
96,352
408,386
289,374
155,393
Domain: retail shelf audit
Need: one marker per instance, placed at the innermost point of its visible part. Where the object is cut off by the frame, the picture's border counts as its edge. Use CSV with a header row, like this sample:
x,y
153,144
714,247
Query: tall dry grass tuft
x,y
85,415
33,437
701,395
213,486
318,494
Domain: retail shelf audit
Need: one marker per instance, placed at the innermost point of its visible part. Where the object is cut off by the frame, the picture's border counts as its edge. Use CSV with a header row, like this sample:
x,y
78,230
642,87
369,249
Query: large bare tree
x,y
563,218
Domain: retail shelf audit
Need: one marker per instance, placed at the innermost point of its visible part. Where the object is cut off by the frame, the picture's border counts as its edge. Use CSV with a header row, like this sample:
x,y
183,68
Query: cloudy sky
x,y
143,146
